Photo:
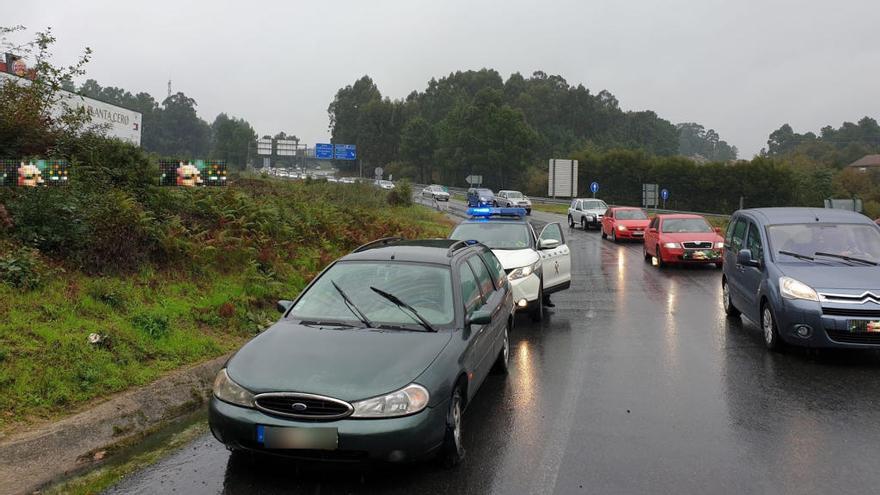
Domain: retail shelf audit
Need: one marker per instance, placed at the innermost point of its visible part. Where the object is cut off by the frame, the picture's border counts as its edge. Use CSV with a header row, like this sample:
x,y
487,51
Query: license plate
x,y
863,326
282,437
638,233
699,255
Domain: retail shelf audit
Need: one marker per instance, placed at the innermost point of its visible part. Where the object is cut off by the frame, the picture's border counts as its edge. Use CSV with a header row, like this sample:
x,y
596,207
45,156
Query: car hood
x,y
348,364
515,258
829,278
690,236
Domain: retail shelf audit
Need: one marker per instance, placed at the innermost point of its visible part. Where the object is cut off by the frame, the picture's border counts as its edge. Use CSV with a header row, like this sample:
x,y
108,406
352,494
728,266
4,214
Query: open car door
x,y
555,258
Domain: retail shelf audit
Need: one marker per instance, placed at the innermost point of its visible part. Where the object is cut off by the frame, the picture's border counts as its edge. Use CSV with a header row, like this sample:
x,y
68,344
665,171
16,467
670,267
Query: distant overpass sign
x,y
345,152
324,151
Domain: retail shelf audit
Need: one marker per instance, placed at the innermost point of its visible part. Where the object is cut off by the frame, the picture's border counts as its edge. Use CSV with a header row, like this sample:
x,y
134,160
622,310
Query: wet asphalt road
x,y
634,383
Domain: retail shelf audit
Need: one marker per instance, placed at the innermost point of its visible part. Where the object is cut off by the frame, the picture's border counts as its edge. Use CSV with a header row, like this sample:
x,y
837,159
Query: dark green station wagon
x,y
375,360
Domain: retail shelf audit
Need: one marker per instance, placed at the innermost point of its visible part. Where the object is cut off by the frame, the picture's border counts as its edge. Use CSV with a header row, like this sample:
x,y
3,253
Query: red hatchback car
x,y
624,223
681,238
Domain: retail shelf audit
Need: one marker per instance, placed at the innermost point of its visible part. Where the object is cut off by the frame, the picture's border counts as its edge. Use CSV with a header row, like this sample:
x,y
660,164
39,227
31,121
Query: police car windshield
x,y
494,235
848,239
686,225
426,288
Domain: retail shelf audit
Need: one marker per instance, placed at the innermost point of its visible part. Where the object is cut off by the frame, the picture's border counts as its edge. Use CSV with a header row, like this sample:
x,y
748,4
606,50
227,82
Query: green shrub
x,y
153,325
401,195
22,268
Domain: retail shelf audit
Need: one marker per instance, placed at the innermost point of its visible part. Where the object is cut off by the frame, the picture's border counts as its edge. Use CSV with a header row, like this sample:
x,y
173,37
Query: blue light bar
x,y
496,212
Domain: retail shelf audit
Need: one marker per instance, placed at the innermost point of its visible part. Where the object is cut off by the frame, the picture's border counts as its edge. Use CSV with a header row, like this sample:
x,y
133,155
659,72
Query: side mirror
x,y
578,208
283,305
548,243
479,317
744,258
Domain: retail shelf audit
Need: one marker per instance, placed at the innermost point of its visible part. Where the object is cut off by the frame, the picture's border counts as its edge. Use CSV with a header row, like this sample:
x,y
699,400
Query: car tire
x,y
727,302
584,225
660,263
538,311
502,364
645,252
570,222
614,235
604,235
452,451
769,328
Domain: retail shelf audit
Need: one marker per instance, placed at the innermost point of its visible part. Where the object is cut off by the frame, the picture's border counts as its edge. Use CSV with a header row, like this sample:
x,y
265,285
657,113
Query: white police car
x,y
536,265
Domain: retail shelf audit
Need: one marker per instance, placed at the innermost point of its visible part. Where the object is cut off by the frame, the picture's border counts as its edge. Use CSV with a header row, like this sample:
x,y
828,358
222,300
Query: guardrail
x,y
565,201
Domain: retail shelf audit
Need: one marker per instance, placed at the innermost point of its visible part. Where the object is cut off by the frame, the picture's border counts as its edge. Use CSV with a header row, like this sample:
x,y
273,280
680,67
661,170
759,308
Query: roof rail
x,y
383,241
459,245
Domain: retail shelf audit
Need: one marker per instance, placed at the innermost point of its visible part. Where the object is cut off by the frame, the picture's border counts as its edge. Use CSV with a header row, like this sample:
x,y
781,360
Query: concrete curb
x,y
31,460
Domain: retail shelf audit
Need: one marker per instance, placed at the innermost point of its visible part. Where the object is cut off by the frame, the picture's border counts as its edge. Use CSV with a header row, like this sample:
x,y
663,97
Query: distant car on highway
x,y
332,179
347,180
624,222
375,360
435,192
683,239
586,212
808,276
480,196
536,265
514,199
384,184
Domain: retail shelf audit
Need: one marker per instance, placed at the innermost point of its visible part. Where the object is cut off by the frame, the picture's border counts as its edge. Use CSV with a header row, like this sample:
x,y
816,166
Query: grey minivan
x,y
808,276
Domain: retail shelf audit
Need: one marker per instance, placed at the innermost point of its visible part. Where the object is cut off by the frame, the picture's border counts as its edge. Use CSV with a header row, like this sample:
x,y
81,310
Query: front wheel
x,y
660,263
604,235
502,364
729,308
452,451
645,252
771,332
614,236
570,222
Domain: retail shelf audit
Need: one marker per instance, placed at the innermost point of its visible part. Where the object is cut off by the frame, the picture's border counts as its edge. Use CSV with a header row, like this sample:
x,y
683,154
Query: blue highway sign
x,y
324,151
345,152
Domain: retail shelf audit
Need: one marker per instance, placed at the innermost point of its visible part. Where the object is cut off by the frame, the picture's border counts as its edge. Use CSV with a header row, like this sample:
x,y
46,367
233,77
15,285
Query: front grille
x,y
302,406
852,312
697,245
854,338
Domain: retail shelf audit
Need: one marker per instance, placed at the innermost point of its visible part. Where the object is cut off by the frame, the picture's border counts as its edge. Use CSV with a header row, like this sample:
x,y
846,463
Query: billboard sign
x,y
264,146
345,152
34,173
324,151
562,178
286,147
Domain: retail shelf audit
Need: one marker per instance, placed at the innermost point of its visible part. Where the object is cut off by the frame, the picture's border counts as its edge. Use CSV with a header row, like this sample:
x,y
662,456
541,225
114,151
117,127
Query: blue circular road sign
x,y
594,187
664,193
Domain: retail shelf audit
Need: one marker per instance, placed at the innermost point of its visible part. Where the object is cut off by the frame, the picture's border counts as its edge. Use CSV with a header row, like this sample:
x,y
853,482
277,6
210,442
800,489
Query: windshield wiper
x,y
322,323
400,304
798,255
847,258
351,307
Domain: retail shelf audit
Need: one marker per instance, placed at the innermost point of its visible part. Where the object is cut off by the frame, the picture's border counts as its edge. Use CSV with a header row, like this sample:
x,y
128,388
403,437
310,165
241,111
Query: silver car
x,y
514,199
435,192
586,212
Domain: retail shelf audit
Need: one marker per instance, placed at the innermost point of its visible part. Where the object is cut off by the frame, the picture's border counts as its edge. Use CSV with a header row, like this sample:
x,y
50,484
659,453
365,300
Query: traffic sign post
x,y
664,195
324,151
594,188
344,152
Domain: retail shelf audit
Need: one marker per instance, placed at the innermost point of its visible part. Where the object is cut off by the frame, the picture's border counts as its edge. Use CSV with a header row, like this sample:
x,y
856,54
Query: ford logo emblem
x,y
299,406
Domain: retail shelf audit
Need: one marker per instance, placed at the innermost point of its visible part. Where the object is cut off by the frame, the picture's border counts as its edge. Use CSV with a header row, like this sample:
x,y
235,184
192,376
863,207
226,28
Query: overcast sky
x,y
742,67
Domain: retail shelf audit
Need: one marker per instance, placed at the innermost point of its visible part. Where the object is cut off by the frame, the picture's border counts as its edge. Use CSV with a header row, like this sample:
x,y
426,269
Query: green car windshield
x,y
426,288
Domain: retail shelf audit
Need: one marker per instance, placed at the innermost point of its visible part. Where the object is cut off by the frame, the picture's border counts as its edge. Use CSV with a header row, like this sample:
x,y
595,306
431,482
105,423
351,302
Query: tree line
x,y
172,127
475,122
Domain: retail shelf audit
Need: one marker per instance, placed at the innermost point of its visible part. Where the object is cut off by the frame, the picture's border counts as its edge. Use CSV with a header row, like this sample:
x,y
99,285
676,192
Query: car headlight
x,y
671,245
795,289
621,227
524,271
719,245
408,400
591,217
228,391
483,199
